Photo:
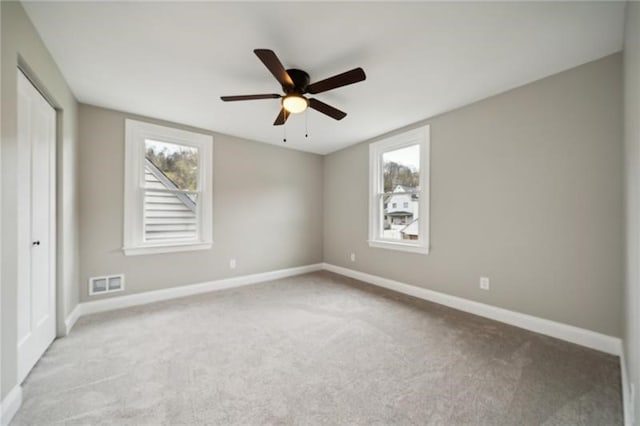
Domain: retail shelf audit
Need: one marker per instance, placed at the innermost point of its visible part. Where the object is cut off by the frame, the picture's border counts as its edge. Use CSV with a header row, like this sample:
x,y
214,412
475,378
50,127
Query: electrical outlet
x,y
232,264
353,257
484,283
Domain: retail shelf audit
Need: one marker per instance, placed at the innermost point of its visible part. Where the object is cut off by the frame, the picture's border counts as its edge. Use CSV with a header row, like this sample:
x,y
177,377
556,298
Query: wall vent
x,y
107,284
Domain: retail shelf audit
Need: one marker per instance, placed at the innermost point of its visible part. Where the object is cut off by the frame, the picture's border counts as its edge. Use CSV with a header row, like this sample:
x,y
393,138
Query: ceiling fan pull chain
x,y
306,123
284,133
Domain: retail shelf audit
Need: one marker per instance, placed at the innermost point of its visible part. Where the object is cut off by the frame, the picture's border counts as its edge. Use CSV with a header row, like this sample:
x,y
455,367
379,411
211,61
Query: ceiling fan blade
x,y
327,109
249,97
273,64
344,79
281,118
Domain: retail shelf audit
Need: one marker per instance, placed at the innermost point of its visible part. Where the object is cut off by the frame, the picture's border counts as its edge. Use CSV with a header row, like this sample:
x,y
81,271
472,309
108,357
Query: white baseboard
x,y
10,405
625,390
121,302
580,336
71,319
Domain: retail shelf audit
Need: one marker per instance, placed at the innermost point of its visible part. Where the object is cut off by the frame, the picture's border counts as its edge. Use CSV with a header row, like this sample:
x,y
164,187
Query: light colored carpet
x,y
314,349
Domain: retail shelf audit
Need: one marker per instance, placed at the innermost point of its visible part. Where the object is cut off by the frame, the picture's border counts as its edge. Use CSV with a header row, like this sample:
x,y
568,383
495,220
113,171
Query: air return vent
x,y
108,284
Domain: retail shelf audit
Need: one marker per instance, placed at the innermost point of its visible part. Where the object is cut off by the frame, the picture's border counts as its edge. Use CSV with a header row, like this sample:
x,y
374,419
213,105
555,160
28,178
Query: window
x,y
168,189
399,175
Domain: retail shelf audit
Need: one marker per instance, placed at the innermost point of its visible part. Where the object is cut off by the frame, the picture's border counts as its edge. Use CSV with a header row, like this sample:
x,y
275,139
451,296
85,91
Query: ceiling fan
x,y
295,83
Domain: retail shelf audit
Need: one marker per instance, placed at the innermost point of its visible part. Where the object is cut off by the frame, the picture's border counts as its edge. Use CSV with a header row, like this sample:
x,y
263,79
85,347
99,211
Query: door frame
x,y
53,199
23,66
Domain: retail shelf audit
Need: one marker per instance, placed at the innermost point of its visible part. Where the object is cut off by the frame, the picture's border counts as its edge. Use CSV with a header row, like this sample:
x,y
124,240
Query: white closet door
x,y
36,225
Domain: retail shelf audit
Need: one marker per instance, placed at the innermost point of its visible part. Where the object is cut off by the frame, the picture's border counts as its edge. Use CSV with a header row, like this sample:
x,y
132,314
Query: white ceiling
x,y
174,60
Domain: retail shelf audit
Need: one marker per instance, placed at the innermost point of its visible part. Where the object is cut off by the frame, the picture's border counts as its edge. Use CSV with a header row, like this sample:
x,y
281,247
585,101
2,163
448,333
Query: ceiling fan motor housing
x,y
300,81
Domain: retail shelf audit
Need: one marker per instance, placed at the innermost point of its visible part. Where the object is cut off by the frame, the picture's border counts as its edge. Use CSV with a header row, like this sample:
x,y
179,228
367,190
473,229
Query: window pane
x,y
170,216
400,217
401,169
401,230
401,174
171,166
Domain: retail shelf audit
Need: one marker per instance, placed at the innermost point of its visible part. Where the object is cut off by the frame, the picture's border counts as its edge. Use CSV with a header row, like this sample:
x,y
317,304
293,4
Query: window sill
x,y
410,248
165,248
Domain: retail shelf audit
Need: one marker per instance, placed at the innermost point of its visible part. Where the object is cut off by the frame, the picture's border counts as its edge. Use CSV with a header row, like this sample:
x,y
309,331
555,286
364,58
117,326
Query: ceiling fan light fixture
x,y
295,103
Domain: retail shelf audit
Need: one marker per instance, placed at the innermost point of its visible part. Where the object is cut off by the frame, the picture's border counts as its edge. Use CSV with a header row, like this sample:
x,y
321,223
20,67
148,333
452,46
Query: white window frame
x,y
136,133
419,136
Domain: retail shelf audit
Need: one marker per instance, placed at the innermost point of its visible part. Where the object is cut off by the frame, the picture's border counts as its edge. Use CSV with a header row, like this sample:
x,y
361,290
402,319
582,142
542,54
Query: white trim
x,y
627,402
411,248
580,336
121,302
71,319
10,405
165,248
419,136
625,390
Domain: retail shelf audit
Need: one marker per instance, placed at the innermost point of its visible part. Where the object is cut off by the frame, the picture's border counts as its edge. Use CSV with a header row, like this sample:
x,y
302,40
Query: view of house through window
x,y
170,191
401,175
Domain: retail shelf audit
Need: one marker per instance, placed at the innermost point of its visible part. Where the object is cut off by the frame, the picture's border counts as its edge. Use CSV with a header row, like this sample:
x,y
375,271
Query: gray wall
x,y
267,210
632,157
526,188
22,45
